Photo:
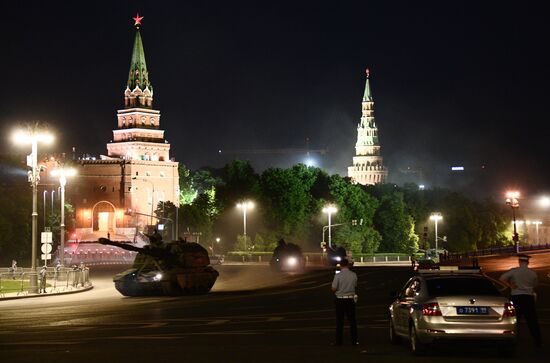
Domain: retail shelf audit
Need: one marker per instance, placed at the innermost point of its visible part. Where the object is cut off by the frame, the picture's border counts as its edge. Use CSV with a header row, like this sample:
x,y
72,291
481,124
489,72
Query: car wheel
x,y
417,347
394,338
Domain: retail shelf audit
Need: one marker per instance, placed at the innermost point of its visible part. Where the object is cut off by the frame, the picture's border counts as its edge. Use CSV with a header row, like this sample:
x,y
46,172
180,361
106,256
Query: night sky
x,y
454,83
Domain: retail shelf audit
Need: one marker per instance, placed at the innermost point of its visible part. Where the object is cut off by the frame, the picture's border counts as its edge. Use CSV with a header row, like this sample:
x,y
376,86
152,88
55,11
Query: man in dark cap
x,y
522,282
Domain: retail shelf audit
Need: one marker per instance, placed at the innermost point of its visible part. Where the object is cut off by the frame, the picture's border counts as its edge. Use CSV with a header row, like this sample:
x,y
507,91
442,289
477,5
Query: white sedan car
x,y
456,304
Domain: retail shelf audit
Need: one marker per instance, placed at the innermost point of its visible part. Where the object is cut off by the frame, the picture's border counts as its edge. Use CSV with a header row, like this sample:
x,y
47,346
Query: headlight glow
x,y
157,277
292,261
338,258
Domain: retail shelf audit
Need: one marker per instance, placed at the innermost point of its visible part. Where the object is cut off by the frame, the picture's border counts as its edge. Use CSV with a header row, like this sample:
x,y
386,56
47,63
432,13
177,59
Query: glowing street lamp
x,y
544,202
62,174
33,136
436,217
217,241
512,201
245,205
329,210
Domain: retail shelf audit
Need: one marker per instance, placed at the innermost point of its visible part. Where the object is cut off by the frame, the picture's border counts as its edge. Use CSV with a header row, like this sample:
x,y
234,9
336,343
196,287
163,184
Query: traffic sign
x,y
46,248
46,237
46,256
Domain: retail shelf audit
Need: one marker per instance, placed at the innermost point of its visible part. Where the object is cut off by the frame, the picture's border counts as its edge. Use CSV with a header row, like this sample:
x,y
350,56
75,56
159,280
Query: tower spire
x,y
139,91
368,167
367,95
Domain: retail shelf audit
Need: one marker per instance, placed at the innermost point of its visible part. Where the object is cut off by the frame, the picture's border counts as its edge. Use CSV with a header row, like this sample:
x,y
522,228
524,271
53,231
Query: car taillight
x,y
431,309
509,310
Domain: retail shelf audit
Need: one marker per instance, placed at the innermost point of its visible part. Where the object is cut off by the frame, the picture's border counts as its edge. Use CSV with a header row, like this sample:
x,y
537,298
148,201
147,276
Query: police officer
x,y
343,287
522,280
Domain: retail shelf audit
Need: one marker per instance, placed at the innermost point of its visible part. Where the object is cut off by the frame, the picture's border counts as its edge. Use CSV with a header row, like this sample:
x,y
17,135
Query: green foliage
x,y
354,204
395,225
289,202
244,243
196,217
239,182
204,180
15,224
266,244
187,192
286,200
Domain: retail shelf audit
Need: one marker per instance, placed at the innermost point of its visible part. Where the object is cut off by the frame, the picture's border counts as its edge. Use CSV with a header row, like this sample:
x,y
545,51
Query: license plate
x,y
472,310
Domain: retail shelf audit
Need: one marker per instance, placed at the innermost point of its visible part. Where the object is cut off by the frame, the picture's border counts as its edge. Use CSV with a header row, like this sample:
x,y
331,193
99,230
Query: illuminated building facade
x,y
136,174
367,167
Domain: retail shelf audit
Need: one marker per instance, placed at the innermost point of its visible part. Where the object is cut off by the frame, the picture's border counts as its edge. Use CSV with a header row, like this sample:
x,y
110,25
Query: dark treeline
x,y
288,204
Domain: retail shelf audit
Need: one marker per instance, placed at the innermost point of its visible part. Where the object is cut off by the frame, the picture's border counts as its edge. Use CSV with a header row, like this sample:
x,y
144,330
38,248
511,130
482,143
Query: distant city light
x,y
457,168
310,162
421,187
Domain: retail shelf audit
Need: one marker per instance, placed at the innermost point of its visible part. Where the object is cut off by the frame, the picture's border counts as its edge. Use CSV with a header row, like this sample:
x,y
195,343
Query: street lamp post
x,y
33,136
245,205
44,195
53,194
62,174
513,202
329,210
436,217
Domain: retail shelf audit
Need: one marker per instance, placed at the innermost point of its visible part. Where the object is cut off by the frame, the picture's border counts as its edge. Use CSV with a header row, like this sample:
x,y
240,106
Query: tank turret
x,y
165,268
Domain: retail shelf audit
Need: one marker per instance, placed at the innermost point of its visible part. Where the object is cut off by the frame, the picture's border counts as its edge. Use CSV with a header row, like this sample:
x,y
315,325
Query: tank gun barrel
x,y
124,246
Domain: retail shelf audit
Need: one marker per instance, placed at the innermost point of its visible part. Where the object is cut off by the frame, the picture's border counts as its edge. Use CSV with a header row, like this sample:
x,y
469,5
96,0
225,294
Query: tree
x,y
460,223
204,180
264,244
286,200
239,181
15,223
244,243
356,209
395,225
187,192
494,223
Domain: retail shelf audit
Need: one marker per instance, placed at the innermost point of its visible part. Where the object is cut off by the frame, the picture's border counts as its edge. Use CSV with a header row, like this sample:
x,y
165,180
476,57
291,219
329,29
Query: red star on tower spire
x,y
367,71
137,20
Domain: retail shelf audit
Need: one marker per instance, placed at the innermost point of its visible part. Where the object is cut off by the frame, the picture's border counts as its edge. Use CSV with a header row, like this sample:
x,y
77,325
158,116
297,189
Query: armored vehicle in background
x,y
165,268
336,254
287,257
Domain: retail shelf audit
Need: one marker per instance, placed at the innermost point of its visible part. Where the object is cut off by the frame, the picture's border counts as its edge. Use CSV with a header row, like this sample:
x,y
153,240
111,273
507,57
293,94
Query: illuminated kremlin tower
x,y
367,165
136,174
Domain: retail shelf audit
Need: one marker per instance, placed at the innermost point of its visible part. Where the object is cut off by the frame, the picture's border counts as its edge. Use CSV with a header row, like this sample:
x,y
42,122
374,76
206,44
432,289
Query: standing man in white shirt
x,y
344,286
522,280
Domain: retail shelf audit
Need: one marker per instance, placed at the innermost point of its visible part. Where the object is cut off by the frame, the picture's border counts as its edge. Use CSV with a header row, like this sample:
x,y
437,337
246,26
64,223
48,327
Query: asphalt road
x,y
252,315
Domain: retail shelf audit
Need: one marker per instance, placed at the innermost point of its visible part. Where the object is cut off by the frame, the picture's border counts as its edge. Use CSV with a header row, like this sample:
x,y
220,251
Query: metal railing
x,y
57,280
497,251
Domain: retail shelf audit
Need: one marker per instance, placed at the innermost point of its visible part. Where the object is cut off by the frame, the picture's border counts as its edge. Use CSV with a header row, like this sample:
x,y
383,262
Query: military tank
x,y
287,257
165,268
336,254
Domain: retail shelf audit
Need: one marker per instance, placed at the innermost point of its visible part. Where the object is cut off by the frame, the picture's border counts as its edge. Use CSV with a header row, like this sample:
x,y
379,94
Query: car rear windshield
x,y
449,286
